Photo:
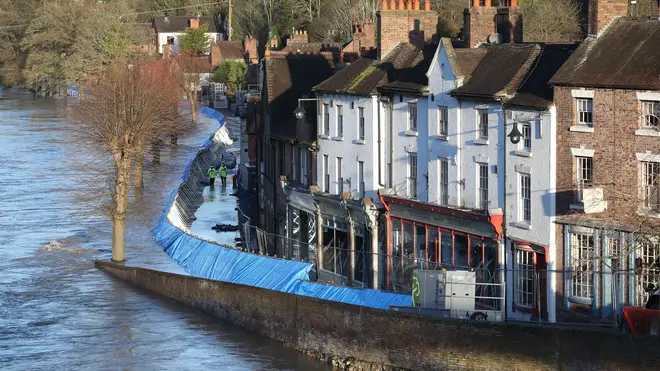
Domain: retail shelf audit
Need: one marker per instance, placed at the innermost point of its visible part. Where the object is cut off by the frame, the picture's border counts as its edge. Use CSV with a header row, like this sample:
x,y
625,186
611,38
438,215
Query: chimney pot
x,y
427,5
384,5
402,5
514,3
475,3
393,4
409,5
416,5
488,3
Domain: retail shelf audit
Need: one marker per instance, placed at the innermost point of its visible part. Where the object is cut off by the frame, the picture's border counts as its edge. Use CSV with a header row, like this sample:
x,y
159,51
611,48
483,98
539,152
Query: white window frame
x,y
582,265
482,123
443,181
584,175
326,173
524,273
360,176
584,112
326,119
648,252
525,198
412,175
443,121
650,185
339,177
361,124
650,114
482,186
526,131
340,121
412,116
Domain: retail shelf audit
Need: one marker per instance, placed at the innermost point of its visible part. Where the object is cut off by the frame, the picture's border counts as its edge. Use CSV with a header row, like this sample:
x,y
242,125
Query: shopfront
x,y
428,237
302,226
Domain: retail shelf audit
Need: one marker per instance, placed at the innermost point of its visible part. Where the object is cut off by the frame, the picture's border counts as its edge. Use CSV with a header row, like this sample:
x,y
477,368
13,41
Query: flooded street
x,y
56,310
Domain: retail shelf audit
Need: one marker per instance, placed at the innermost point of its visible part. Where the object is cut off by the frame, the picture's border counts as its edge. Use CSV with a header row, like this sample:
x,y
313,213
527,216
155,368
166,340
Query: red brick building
x,y
608,164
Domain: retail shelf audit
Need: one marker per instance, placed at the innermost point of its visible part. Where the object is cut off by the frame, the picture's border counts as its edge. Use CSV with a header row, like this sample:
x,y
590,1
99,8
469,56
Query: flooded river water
x,y
57,312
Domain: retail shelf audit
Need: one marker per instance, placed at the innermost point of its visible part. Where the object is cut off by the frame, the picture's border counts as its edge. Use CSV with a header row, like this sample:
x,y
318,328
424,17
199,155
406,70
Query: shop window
x,y
446,253
460,251
360,256
433,248
420,244
582,260
647,269
523,290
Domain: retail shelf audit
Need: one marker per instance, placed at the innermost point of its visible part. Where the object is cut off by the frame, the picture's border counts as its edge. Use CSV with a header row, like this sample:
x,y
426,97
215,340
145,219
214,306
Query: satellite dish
x,y
495,38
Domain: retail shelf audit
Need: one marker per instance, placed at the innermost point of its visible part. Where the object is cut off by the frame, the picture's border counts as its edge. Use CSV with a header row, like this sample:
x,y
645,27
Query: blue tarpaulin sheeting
x,y
205,259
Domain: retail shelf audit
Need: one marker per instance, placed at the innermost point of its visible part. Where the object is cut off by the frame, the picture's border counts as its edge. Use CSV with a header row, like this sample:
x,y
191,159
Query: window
x,y
360,123
524,278
526,198
412,175
170,40
443,124
527,137
340,121
648,270
582,256
650,114
294,165
614,252
361,178
583,175
482,123
412,116
326,174
326,119
303,166
651,185
482,195
584,111
340,179
443,187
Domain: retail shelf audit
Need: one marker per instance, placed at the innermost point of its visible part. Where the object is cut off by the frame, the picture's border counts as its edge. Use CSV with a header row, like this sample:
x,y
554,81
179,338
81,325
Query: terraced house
x,y
608,165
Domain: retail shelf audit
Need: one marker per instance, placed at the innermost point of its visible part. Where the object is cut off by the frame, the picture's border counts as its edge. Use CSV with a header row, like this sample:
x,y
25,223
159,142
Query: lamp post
x,y
300,110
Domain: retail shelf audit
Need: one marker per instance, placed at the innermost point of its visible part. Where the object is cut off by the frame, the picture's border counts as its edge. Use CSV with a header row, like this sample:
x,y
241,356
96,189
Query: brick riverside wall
x,y
357,338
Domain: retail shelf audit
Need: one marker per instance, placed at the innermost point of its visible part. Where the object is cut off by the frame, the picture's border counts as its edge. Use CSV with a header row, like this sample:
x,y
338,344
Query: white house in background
x,y
478,95
169,28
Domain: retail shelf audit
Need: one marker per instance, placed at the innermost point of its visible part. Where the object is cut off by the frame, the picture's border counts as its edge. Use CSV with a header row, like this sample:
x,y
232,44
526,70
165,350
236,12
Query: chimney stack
x,y
194,22
602,12
250,44
404,22
166,51
479,23
215,54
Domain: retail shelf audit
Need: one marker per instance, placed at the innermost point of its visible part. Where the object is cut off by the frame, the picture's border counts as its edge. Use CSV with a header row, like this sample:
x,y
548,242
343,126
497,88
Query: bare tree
x,y
127,107
188,69
551,21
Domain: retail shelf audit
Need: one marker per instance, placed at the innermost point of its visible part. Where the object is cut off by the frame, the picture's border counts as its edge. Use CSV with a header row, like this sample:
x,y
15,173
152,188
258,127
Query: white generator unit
x,y
449,294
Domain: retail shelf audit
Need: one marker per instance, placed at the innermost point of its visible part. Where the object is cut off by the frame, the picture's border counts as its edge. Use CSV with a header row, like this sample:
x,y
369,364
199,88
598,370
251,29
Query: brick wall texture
x,y
356,338
480,22
602,12
397,26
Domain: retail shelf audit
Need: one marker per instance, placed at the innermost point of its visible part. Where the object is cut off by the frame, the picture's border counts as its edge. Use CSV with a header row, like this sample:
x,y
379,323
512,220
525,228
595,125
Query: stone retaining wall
x,y
358,338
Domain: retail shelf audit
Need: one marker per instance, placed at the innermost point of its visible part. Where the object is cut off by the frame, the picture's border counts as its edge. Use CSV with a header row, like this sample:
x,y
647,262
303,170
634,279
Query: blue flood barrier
x,y
208,260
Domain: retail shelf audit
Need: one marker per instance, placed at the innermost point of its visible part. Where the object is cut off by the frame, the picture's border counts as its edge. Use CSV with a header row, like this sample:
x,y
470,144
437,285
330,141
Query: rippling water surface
x,y
57,312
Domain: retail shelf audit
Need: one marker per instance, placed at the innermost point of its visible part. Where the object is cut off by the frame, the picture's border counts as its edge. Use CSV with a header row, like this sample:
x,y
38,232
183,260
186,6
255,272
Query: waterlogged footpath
x,y
56,310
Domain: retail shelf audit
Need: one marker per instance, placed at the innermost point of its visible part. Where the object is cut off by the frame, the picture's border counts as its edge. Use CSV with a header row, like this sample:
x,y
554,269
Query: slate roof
x,y
500,71
467,60
298,47
289,77
625,55
180,23
231,49
365,75
536,90
412,79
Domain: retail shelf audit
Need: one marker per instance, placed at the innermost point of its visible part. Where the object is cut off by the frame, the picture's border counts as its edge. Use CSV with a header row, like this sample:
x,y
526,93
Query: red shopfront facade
x,y
425,236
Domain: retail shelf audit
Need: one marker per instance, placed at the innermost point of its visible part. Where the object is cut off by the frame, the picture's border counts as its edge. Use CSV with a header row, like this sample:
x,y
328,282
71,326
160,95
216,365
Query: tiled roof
x,y
500,72
231,49
289,77
298,47
625,55
467,60
536,90
180,23
365,75
412,79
